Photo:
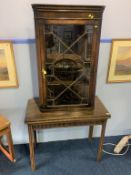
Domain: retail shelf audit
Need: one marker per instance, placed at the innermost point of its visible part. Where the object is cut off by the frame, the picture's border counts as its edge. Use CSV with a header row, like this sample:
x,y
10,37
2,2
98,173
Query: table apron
x,y
57,125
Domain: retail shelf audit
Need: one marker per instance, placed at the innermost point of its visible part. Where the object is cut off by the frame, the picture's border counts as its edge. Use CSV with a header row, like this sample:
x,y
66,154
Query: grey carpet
x,y
73,157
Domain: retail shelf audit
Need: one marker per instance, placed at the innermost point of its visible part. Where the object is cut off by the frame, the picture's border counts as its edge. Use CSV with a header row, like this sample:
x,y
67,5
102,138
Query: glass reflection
x,y
68,55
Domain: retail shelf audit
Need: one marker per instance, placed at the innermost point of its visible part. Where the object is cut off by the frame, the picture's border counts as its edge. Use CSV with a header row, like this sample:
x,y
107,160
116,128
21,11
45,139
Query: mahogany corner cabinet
x,y
67,40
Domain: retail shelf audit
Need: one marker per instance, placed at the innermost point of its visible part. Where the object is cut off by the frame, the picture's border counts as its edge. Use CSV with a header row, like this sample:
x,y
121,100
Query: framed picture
x,y
8,77
120,61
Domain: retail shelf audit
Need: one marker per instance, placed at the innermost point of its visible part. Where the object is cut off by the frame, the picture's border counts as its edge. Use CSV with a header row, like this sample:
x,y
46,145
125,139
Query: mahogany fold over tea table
x,y
35,119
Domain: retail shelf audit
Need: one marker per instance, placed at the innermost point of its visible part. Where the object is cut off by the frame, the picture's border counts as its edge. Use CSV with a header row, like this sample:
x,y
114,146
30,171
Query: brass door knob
x,y
95,26
44,72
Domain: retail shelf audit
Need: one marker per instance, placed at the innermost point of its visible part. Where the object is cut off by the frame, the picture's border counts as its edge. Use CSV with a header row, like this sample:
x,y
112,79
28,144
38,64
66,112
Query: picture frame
x,y
119,69
8,76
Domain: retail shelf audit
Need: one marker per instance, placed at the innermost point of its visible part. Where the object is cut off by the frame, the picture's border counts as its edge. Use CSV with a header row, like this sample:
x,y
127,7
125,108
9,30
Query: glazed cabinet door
x,y
67,41
68,59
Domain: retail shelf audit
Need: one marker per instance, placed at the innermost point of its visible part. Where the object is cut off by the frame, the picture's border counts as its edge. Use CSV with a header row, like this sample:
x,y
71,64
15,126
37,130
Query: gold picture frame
x,y
120,61
8,76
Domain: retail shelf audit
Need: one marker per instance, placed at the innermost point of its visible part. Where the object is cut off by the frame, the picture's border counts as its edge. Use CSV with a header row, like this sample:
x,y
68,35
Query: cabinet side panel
x,y
40,60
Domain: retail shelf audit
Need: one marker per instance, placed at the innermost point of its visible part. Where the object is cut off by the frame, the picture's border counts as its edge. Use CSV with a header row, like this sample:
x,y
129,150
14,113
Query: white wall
x,y
16,17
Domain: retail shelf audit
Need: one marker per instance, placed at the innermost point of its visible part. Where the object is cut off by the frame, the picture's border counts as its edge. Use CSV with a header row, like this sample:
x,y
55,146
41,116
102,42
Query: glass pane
x,y
68,63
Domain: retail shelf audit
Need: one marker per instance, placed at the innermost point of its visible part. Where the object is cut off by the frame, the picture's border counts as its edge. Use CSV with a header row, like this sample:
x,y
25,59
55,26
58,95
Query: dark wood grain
x,y
40,115
33,113
35,119
66,14
91,127
99,154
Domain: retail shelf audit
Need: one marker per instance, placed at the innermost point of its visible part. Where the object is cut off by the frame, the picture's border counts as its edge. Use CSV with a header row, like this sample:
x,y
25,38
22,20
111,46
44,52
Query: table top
x,y
34,115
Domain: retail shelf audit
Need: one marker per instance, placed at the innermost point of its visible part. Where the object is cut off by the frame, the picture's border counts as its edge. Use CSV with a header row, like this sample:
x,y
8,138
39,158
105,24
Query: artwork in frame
x,y
120,61
8,77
